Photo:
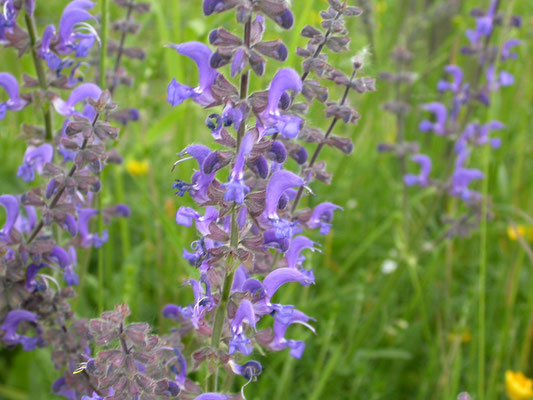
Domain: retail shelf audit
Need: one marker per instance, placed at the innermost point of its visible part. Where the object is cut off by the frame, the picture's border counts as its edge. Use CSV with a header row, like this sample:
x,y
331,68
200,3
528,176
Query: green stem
x,y
220,315
103,37
41,75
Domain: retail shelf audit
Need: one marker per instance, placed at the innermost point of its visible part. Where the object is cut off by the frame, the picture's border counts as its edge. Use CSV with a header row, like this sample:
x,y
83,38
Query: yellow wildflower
x,y
514,231
518,386
137,168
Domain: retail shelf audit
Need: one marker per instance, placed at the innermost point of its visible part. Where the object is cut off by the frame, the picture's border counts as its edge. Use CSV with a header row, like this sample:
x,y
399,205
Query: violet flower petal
x,y
279,183
281,276
200,54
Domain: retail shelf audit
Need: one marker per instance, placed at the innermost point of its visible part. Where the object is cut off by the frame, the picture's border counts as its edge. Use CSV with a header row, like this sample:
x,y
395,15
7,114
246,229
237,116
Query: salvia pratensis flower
x,y
441,115
322,216
71,39
177,92
287,125
11,206
82,93
34,161
14,102
11,326
421,179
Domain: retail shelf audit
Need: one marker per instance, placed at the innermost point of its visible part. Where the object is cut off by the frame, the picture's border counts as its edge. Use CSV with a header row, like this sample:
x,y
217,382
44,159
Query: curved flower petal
x,y
281,276
200,54
10,326
245,312
441,115
322,216
34,160
425,169
81,93
11,205
298,244
10,85
279,183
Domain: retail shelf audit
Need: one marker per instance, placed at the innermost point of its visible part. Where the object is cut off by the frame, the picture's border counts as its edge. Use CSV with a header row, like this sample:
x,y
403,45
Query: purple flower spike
x,y
457,75
211,396
281,276
441,115
10,326
89,239
425,168
322,217
177,93
235,188
83,92
11,205
10,85
298,244
288,125
279,183
34,160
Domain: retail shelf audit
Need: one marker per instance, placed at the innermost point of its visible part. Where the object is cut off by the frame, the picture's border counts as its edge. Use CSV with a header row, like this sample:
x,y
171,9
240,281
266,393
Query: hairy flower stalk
x,y
41,75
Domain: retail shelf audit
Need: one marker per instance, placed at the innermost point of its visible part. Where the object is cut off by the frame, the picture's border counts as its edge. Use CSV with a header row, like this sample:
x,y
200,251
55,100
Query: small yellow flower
x,y
513,232
518,386
138,168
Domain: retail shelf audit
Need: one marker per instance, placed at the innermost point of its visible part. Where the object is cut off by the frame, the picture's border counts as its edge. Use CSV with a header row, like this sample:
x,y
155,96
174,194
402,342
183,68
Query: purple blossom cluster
x,y
47,224
455,120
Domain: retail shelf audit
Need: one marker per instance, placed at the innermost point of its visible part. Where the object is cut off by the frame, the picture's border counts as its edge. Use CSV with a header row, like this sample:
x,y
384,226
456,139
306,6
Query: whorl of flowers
x,y
454,118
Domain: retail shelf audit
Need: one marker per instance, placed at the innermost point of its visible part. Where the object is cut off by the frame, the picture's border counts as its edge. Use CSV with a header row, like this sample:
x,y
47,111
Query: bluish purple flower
x,y
11,206
31,273
484,26
441,115
506,53
298,244
10,327
14,101
457,76
34,160
8,19
322,216
61,388
212,6
421,179
185,216
177,92
279,342
200,181
281,276
71,27
250,369
236,188
462,178
280,181
52,59
88,239
26,223
240,342
80,94
479,135
288,125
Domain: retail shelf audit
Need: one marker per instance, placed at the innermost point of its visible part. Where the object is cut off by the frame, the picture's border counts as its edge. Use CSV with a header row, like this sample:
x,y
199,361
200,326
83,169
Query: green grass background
x,y
379,336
